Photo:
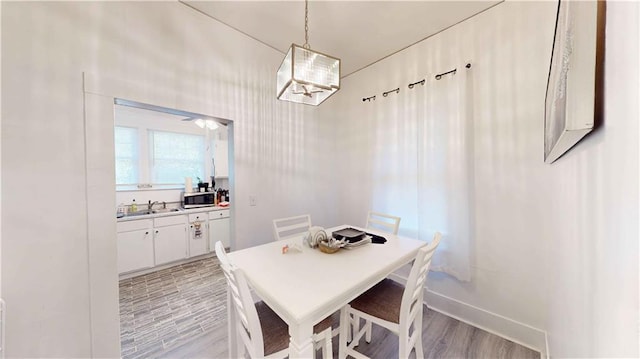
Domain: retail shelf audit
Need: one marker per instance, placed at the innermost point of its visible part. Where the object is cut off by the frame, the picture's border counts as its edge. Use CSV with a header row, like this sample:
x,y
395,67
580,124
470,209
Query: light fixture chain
x,y
306,25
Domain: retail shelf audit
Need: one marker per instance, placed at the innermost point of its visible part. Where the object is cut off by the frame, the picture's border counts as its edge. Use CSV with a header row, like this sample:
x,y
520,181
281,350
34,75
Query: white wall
x,y
592,263
555,246
177,58
551,242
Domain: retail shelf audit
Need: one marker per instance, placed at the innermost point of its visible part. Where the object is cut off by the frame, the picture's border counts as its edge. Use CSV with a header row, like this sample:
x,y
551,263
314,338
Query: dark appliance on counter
x,y
198,199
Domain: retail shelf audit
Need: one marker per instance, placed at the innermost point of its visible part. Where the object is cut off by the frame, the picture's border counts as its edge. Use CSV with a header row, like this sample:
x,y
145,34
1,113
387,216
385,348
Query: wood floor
x,y
442,337
188,329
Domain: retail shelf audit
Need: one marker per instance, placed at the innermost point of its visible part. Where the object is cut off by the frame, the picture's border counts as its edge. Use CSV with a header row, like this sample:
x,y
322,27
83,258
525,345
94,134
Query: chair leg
x,y
402,348
403,340
355,324
315,349
419,349
367,336
417,329
345,327
323,340
327,349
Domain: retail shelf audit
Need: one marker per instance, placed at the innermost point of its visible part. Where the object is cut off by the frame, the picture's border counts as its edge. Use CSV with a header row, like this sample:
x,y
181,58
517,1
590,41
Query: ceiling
x,y
358,32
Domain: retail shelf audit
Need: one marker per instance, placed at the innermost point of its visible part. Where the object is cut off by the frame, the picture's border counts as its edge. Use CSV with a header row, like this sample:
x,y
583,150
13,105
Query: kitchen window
x,y
126,143
149,158
174,156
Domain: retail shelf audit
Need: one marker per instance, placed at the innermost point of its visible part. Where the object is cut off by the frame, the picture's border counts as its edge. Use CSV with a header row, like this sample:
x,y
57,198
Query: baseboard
x,y
163,266
520,333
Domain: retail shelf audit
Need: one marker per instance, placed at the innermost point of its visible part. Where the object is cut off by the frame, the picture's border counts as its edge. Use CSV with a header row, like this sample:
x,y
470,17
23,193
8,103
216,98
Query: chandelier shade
x,y
307,76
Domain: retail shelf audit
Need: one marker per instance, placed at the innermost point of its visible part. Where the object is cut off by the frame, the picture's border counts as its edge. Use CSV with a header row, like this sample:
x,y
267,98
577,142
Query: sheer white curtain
x,y
445,171
395,156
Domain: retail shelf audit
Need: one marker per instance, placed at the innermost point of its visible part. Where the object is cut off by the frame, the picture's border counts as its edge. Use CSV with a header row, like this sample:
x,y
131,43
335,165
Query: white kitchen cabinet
x,y
198,244
170,239
219,228
135,245
157,241
221,156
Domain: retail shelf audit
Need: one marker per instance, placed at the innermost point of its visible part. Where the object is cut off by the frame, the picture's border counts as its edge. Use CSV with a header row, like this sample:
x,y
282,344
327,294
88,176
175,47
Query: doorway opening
x,y
169,278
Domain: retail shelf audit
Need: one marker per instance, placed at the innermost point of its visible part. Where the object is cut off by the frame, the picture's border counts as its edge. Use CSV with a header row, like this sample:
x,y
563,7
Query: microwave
x,y
198,199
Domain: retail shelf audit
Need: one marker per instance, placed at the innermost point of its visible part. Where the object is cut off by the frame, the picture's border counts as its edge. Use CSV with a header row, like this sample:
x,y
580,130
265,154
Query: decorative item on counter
x,y
188,185
202,186
121,211
222,195
314,236
134,206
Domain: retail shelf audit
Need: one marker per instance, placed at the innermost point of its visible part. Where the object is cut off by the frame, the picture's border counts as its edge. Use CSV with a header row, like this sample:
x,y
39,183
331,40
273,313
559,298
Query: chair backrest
x,y
385,222
247,321
284,228
414,289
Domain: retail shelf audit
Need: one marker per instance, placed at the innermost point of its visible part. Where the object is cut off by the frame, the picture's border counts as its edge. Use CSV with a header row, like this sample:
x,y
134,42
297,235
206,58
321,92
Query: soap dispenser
x,y
134,206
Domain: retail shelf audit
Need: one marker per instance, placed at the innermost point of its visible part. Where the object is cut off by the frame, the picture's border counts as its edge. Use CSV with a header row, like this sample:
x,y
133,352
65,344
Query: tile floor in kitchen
x,y
162,310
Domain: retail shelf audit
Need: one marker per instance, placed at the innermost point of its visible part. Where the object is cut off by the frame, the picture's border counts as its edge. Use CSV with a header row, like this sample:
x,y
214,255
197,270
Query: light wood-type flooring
x,y
180,312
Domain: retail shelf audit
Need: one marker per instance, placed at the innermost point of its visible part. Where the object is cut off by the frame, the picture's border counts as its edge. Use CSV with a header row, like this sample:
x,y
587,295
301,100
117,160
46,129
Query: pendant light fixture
x,y
307,76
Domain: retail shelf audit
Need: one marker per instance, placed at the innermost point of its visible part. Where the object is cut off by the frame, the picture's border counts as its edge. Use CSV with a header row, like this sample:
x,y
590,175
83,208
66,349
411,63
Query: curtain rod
x,y
412,85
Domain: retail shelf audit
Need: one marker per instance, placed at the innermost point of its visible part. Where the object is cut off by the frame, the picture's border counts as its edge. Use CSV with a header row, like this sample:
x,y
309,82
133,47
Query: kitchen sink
x,y
139,213
165,210
154,211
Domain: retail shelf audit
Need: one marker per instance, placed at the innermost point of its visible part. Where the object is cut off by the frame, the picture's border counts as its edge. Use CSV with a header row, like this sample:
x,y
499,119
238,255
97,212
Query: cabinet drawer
x,y
169,220
202,216
129,226
224,213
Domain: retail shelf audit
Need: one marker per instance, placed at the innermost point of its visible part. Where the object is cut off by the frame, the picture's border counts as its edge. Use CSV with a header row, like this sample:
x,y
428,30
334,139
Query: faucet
x,y
151,204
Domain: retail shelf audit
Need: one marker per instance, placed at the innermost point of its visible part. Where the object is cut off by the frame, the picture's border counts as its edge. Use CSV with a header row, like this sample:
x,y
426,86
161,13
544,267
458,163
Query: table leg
x,y
233,331
301,341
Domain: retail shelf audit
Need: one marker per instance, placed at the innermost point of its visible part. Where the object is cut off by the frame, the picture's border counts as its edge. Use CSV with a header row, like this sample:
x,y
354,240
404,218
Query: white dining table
x,y
307,286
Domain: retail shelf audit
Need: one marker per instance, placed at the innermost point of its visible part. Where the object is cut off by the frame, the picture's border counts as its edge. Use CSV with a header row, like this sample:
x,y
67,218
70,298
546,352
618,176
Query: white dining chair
x,y
285,228
393,306
262,332
382,221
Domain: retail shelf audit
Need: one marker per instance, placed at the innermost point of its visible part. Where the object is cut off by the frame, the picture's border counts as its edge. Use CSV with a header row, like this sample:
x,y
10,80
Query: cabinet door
x,y
198,245
135,250
219,230
170,243
221,155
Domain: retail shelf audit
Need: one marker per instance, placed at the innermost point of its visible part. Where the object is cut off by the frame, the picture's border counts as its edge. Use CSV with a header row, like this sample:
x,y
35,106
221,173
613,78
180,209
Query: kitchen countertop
x,y
180,211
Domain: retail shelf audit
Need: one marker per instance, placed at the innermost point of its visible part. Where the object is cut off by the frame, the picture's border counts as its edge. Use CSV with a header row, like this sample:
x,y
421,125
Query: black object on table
x,y
352,235
376,238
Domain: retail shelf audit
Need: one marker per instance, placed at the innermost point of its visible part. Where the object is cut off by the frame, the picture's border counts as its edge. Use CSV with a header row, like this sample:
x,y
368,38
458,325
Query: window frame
x,y
145,155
